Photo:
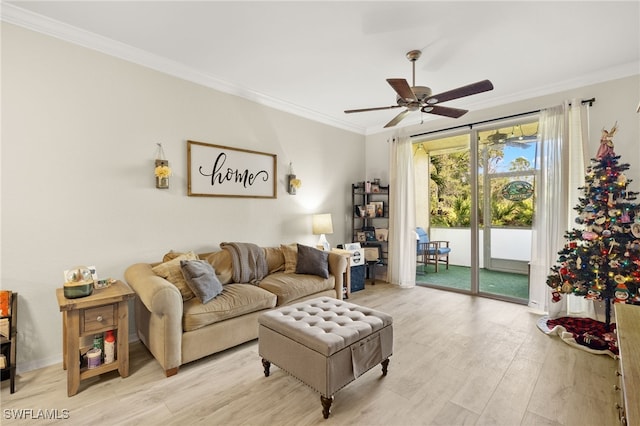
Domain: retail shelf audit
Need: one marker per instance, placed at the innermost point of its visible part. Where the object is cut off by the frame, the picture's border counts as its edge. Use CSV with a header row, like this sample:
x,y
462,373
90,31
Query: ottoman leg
x,y
326,405
385,365
267,365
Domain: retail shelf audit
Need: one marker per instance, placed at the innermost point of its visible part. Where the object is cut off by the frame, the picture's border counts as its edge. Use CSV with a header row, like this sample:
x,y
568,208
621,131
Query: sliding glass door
x,y
485,212
443,208
506,170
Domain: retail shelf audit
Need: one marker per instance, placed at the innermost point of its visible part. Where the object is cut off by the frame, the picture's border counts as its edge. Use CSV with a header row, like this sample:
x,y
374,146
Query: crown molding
x,y
15,15
600,76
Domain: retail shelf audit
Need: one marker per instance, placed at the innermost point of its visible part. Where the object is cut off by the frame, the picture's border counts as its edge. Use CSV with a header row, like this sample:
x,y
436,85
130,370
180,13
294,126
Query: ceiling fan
x,y
415,98
522,141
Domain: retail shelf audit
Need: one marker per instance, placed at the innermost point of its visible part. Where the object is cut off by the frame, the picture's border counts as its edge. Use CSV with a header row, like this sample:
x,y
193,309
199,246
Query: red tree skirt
x,y
585,333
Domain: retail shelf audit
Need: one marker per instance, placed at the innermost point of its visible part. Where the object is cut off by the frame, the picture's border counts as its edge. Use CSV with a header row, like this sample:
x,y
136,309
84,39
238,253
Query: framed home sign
x,y
221,171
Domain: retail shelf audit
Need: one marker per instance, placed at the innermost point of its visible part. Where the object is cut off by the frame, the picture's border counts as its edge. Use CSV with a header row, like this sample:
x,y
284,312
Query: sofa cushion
x,y
289,287
290,253
312,261
201,279
223,265
275,259
235,300
172,272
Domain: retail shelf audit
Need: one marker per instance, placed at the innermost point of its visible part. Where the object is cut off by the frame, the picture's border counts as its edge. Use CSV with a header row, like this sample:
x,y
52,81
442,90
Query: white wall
x,y
509,244
79,134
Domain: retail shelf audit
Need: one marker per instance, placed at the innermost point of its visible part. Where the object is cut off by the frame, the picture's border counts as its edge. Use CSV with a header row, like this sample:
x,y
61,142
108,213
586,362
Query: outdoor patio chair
x,y
431,252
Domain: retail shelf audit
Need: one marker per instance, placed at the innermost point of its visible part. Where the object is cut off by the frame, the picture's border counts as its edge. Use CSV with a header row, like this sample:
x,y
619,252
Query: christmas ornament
x,y
592,341
592,295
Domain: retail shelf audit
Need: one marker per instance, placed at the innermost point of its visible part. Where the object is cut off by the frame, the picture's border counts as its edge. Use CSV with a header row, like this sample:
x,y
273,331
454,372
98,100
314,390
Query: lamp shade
x,y
322,224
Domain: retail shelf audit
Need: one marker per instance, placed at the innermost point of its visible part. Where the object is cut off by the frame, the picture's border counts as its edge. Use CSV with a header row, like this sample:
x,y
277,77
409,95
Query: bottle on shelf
x,y
98,342
109,347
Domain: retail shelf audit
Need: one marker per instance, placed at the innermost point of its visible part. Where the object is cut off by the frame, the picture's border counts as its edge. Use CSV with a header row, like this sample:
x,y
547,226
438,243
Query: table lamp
x,y
322,225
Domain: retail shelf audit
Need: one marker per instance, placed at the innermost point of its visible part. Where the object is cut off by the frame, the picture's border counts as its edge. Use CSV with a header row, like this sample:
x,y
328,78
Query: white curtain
x,y
561,162
402,221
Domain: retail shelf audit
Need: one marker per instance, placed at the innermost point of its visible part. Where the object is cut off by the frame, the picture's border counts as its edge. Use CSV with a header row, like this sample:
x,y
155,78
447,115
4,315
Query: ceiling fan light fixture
x,y
413,55
421,92
497,137
414,98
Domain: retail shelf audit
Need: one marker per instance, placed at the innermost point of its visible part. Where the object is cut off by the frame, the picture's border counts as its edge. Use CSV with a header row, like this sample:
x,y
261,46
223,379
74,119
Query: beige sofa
x,y
177,329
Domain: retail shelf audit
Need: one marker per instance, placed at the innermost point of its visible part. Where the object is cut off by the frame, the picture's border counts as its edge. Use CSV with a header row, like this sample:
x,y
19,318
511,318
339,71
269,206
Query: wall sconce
x,y
292,182
162,170
322,225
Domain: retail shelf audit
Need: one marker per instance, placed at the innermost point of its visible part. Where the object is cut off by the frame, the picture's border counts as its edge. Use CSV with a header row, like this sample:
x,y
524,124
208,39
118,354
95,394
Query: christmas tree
x,y
601,258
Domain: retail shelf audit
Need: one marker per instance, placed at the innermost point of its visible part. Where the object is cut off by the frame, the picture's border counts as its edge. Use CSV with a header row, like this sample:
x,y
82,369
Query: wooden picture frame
x,y
370,210
222,171
372,252
382,234
378,207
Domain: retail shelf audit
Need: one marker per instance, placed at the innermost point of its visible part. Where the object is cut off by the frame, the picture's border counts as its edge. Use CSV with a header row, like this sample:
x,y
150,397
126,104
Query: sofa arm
x,y
158,295
159,311
337,268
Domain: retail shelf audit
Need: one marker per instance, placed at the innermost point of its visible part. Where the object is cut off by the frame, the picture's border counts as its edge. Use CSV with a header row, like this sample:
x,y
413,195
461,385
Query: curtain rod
x,y
462,126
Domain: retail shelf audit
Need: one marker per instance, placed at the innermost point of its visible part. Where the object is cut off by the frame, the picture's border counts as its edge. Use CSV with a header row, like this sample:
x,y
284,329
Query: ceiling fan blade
x,y
446,111
460,92
402,88
397,118
349,111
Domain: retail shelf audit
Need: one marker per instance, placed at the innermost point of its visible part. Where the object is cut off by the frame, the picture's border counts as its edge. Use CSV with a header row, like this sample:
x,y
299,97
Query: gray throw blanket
x,y
249,262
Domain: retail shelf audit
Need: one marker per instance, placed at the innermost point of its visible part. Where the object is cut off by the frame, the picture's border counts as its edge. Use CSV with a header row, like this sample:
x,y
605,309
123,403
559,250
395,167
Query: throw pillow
x,y
290,252
312,261
172,255
223,265
201,279
275,259
172,272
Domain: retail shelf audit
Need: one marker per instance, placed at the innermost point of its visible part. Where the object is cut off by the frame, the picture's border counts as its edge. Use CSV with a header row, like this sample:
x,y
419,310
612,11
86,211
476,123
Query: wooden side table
x,y
105,309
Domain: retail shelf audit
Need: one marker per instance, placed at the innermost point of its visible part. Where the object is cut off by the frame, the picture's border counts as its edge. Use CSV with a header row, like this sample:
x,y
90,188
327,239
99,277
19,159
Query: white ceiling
x,y
316,59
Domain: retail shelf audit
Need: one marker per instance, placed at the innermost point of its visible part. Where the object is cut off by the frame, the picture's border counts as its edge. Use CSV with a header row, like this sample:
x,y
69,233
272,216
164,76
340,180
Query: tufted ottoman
x,y
326,343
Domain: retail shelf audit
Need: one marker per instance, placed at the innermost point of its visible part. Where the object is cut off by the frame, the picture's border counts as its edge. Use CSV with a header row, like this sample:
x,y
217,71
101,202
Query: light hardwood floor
x,y
458,360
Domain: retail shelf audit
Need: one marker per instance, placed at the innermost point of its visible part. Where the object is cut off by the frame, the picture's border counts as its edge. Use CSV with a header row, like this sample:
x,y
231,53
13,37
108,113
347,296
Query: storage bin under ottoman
x,y
326,343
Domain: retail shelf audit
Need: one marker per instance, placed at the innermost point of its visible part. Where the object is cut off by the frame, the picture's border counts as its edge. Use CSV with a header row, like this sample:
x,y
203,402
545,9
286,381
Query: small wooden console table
x,y
105,309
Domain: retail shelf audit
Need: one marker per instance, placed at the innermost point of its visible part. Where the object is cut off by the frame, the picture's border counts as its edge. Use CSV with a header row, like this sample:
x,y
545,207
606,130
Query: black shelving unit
x,y
8,343
365,221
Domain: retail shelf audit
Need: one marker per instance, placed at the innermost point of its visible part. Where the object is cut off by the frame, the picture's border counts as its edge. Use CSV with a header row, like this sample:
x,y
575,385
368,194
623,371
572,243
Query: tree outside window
x,y
506,167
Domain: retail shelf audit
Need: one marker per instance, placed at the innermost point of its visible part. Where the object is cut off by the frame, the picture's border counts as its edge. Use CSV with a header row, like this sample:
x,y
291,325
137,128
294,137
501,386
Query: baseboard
x,y
24,367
